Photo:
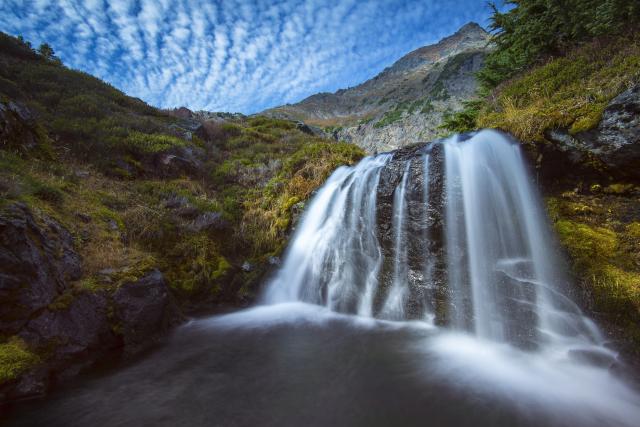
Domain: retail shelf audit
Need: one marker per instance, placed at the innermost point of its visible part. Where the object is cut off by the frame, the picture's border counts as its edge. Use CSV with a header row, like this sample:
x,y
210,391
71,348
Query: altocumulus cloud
x,y
234,55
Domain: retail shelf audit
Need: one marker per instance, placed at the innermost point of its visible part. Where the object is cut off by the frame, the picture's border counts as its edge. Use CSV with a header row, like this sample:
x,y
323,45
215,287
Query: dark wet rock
x,y
247,266
143,309
418,224
70,327
274,260
615,141
310,130
36,262
74,331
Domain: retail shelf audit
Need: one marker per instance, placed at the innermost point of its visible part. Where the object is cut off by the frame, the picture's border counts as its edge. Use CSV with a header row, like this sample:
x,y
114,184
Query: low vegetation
x,y
140,188
15,358
603,242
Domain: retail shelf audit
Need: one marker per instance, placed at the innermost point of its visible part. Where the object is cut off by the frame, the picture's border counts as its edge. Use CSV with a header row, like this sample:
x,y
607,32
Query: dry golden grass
x,y
569,92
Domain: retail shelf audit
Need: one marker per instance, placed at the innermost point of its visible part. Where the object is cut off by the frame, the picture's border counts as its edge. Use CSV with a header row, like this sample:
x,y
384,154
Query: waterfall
x,y
501,279
334,258
396,300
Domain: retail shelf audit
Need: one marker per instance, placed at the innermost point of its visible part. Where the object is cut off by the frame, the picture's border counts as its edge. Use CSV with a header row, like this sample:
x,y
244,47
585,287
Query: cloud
x,y
234,55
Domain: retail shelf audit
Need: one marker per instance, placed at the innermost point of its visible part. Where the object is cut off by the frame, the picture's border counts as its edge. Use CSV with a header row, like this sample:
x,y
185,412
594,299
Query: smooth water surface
x,y
302,365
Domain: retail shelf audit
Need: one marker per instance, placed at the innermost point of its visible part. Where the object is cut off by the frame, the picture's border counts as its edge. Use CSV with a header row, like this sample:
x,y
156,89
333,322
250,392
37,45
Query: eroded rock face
x,y
17,127
73,331
69,326
143,309
426,279
616,140
37,261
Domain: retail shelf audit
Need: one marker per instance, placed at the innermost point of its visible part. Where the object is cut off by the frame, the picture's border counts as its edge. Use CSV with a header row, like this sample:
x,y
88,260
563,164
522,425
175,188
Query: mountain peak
x,y
470,27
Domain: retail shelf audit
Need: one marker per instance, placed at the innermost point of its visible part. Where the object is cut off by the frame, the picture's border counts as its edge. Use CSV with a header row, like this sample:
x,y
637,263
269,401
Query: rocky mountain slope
x,y
406,102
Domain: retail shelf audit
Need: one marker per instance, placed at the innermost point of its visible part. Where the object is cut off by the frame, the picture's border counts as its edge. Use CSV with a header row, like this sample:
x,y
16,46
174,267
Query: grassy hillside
x,y
140,188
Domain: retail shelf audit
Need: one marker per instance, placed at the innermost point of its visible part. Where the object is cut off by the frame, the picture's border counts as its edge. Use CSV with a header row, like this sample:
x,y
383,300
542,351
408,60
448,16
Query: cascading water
x,y
420,288
336,257
502,282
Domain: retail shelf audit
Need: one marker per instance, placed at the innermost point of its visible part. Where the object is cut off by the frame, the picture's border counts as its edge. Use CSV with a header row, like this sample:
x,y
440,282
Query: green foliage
x,y
47,52
464,120
533,29
143,143
254,171
567,92
389,118
15,358
82,112
605,253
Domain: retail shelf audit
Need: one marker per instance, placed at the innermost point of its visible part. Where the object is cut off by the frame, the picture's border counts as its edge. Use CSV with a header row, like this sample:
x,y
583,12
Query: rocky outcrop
x,y
615,141
37,261
68,326
18,127
142,309
423,219
406,102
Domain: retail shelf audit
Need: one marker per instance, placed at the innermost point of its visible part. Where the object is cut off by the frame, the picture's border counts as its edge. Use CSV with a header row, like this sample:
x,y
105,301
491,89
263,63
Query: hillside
x,y
406,102
124,218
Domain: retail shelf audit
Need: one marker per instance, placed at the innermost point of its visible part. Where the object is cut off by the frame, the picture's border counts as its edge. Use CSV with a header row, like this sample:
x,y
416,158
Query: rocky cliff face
x,y
58,325
406,102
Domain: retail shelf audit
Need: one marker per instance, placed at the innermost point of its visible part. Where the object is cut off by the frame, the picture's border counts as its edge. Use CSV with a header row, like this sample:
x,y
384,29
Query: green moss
x,y
134,272
89,284
63,301
633,230
602,238
568,92
109,216
600,258
151,143
618,188
15,358
389,118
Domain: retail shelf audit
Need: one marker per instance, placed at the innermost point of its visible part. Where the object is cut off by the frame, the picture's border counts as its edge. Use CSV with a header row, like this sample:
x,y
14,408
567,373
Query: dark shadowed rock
x,y
616,140
143,309
18,128
74,331
36,262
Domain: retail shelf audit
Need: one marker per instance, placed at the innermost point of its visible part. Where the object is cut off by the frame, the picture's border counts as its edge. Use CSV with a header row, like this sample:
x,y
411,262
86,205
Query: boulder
x,y
74,331
37,260
615,141
143,309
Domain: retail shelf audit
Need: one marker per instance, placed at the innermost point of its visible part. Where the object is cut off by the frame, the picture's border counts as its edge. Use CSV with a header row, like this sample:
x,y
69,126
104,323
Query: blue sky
x,y
234,55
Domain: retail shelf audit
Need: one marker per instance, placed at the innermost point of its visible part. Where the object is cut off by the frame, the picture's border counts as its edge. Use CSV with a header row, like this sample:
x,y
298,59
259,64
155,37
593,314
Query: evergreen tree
x,y
46,51
533,29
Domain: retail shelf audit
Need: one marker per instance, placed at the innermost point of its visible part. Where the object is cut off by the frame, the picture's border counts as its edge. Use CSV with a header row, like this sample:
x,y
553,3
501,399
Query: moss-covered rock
x,y
602,237
15,358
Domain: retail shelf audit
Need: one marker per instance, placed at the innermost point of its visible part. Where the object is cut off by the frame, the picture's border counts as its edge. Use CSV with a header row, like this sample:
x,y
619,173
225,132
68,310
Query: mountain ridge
x,y
404,103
